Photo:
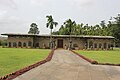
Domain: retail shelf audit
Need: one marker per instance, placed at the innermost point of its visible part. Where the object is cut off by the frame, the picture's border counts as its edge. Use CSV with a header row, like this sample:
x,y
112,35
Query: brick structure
x,y
60,41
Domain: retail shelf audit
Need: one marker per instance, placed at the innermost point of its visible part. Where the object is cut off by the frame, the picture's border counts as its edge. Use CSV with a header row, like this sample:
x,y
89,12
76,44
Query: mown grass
x,y
12,59
110,56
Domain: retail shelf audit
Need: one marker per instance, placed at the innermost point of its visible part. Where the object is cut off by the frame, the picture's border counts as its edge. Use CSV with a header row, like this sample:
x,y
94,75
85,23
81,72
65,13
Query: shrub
x,y
0,43
75,45
4,43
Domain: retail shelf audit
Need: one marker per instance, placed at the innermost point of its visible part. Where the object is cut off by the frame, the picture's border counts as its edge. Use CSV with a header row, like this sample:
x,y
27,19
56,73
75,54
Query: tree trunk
x,y
51,39
70,44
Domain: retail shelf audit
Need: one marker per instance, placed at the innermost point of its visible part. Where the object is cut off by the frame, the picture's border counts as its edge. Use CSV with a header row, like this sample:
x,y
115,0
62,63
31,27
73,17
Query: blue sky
x,y
17,15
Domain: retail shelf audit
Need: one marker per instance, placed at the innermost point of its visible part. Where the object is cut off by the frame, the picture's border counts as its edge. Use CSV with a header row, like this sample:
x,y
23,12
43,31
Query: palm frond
x,y
47,24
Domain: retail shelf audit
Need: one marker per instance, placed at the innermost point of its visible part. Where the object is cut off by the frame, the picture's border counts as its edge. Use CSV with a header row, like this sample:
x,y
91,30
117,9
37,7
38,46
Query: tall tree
x,y
85,28
104,28
116,29
103,24
50,24
33,29
112,28
109,28
70,25
77,29
63,30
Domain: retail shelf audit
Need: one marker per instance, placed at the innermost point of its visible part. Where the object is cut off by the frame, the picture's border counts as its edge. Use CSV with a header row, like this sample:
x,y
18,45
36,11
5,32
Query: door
x,y
60,43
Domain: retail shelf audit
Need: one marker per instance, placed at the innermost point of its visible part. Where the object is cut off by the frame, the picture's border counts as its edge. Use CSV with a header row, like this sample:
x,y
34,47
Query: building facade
x,y
59,41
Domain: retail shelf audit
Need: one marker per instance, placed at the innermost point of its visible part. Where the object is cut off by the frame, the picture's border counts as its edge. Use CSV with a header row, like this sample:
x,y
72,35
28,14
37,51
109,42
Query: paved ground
x,y
67,66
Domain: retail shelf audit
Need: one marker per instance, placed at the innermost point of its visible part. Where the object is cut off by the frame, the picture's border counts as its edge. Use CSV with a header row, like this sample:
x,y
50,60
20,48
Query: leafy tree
x,y
80,29
109,28
112,28
63,30
50,24
85,28
116,31
55,33
33,29
103,24
77,29
3,43
0,42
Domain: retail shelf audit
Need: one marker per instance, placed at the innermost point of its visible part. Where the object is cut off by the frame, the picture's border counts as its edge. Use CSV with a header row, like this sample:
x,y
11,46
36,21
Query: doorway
x,y
60,43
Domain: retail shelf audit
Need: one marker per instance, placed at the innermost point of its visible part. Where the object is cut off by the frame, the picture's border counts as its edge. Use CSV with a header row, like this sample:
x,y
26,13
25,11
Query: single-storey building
x,y
59,41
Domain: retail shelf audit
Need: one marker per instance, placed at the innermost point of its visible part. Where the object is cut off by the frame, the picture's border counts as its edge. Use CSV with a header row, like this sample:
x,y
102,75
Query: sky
x,y
17,15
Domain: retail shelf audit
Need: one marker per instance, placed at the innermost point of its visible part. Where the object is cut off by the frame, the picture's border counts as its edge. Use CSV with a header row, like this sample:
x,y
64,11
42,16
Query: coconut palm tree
x,y
50,24
69,24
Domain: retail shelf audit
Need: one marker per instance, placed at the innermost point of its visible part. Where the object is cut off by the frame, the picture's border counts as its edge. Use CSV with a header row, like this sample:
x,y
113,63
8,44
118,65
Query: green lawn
x,y
12,59
111,56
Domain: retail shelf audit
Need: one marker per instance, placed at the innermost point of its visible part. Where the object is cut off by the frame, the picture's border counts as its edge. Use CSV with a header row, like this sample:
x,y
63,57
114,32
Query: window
x,y
105,45
29,43
100,45
75,45
14,44
19,44
90,44
95,45
109,45
24,44
37,44
9,44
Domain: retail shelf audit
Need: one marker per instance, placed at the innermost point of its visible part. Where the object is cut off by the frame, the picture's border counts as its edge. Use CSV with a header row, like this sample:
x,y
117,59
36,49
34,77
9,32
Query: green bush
x,y
0,43
4,43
